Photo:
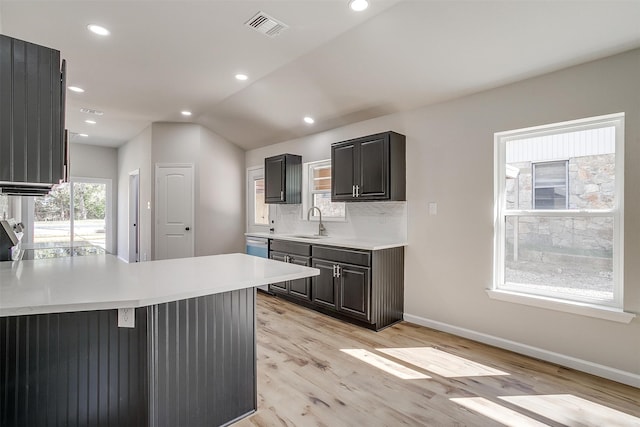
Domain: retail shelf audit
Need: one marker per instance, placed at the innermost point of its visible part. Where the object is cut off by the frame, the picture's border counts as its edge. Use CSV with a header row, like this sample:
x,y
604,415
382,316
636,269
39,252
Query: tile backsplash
x,y
365,220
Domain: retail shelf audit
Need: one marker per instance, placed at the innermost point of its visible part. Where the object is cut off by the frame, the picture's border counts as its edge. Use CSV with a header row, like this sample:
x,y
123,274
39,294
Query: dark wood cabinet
x,y
354,285
360,286
370,168
283,179
341,286
324,285
294,253
33,152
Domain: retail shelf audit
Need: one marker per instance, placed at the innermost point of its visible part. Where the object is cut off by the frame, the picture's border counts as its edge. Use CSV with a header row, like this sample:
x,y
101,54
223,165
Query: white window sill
x,y
583,309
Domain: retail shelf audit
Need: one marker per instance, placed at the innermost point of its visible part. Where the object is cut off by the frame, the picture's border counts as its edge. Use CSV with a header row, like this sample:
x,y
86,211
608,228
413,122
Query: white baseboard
x,y
549,356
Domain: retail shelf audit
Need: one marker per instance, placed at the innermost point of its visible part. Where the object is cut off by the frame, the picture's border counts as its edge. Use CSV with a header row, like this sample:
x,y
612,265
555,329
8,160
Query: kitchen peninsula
x,y
189,359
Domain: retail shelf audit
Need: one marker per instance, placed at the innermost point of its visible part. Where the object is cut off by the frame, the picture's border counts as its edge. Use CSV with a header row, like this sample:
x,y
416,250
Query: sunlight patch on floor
x,y
497,412
385,364
572,410
440,362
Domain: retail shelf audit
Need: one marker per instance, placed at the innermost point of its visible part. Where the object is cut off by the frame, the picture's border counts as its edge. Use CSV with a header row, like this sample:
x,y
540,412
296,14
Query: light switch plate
x,y
433,208
126,318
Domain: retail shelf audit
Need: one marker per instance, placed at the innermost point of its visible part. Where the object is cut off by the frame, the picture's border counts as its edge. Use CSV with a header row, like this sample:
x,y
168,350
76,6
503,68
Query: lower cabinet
x,y
294,253
359,286
342,287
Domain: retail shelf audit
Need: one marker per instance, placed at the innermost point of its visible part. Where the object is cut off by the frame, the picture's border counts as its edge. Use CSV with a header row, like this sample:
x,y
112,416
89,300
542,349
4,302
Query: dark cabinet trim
x,y
294,253
369,168
359,286
32,140
283,179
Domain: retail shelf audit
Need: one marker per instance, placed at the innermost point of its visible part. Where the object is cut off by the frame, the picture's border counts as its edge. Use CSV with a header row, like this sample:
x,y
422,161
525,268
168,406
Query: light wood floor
x,y
429,378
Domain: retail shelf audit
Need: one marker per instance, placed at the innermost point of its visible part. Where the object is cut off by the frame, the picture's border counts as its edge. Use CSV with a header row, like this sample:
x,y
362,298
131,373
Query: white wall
x,y
219,182
90,161
450,161
135,154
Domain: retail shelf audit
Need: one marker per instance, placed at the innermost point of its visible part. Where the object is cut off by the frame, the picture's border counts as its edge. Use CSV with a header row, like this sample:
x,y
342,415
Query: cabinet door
x,y
274,170
31,113
280,287
354,286
343,174
323,286
373,179
300,287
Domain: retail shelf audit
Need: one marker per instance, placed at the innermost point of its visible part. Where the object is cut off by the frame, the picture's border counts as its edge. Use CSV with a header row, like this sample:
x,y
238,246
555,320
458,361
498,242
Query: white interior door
x,y
174,211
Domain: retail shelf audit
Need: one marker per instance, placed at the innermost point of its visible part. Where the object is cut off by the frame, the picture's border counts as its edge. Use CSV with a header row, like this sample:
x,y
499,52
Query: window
x,y
550,185
318,187
261,209
74,212
257,209
558,230
4,206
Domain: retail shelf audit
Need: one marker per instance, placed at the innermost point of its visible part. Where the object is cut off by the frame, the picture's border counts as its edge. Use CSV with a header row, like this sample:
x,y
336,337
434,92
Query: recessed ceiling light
x,y
242,77
309,120
84,135
76,89
91,111
185,113
91,122
101,31
358,5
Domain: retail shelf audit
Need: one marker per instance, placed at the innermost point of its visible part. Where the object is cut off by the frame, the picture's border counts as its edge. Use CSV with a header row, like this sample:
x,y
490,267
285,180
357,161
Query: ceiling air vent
x,y
266,25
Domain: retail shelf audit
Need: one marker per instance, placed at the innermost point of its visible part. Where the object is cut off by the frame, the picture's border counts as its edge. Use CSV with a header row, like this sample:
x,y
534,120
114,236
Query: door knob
x,y
186,228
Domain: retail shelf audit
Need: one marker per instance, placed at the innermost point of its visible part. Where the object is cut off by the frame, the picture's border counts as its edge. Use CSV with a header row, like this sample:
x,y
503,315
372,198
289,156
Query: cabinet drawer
x,y
347,256
295,248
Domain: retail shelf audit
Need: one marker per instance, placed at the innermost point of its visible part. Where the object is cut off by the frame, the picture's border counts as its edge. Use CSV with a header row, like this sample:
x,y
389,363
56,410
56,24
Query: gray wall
x,y
135,155
90,161
219,182
448,261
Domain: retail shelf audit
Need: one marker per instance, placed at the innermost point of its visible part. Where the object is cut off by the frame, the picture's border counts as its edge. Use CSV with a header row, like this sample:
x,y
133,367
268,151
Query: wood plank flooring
x,y
314,370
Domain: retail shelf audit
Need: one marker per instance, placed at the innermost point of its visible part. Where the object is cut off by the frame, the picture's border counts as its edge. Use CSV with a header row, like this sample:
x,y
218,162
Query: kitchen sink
x,y
308,236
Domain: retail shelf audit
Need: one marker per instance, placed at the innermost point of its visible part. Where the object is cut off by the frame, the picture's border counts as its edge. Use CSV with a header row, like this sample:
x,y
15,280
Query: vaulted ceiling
x,y
331,63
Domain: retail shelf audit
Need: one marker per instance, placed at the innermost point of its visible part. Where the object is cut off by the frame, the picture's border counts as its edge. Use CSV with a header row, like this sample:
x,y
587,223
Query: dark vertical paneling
x,y
31,112
52,370
204,373
6,106
387,286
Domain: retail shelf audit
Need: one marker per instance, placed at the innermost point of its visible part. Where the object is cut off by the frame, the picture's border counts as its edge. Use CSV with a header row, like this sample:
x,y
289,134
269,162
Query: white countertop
x,y
370,244
103,282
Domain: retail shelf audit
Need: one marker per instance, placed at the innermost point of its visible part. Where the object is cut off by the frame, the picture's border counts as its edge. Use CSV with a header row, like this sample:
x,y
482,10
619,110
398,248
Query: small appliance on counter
x,y
10,235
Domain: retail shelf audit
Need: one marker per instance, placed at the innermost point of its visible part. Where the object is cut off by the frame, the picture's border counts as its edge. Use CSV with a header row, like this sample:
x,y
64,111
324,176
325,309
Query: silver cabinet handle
x,y
357,191
282,196
337,271
334,271
353,191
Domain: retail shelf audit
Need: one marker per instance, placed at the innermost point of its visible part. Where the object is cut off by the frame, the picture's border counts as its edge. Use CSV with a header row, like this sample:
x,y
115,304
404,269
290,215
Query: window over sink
x,y
317,192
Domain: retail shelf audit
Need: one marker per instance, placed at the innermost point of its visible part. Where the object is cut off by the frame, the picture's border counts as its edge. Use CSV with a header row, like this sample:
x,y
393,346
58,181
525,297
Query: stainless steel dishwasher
x,y
258,246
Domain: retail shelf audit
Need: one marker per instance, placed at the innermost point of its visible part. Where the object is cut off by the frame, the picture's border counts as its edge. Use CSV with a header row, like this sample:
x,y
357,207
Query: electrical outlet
x,y
433,208
126,318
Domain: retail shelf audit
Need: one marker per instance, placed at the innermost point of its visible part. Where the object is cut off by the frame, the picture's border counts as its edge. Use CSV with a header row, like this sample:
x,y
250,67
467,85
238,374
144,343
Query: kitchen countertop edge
x,y
371,245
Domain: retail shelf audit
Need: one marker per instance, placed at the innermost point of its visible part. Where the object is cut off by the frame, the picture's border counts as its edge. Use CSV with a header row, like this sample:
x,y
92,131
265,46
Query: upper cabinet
x,y
33,150
283,179
370,168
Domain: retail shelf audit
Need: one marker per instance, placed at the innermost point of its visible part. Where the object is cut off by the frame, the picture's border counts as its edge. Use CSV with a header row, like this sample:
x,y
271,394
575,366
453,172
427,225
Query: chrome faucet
x,y
321,230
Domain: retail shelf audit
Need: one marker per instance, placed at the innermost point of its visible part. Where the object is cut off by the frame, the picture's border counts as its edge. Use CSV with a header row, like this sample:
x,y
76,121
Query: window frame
x,y
501,212
308,193
254,174
109,230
